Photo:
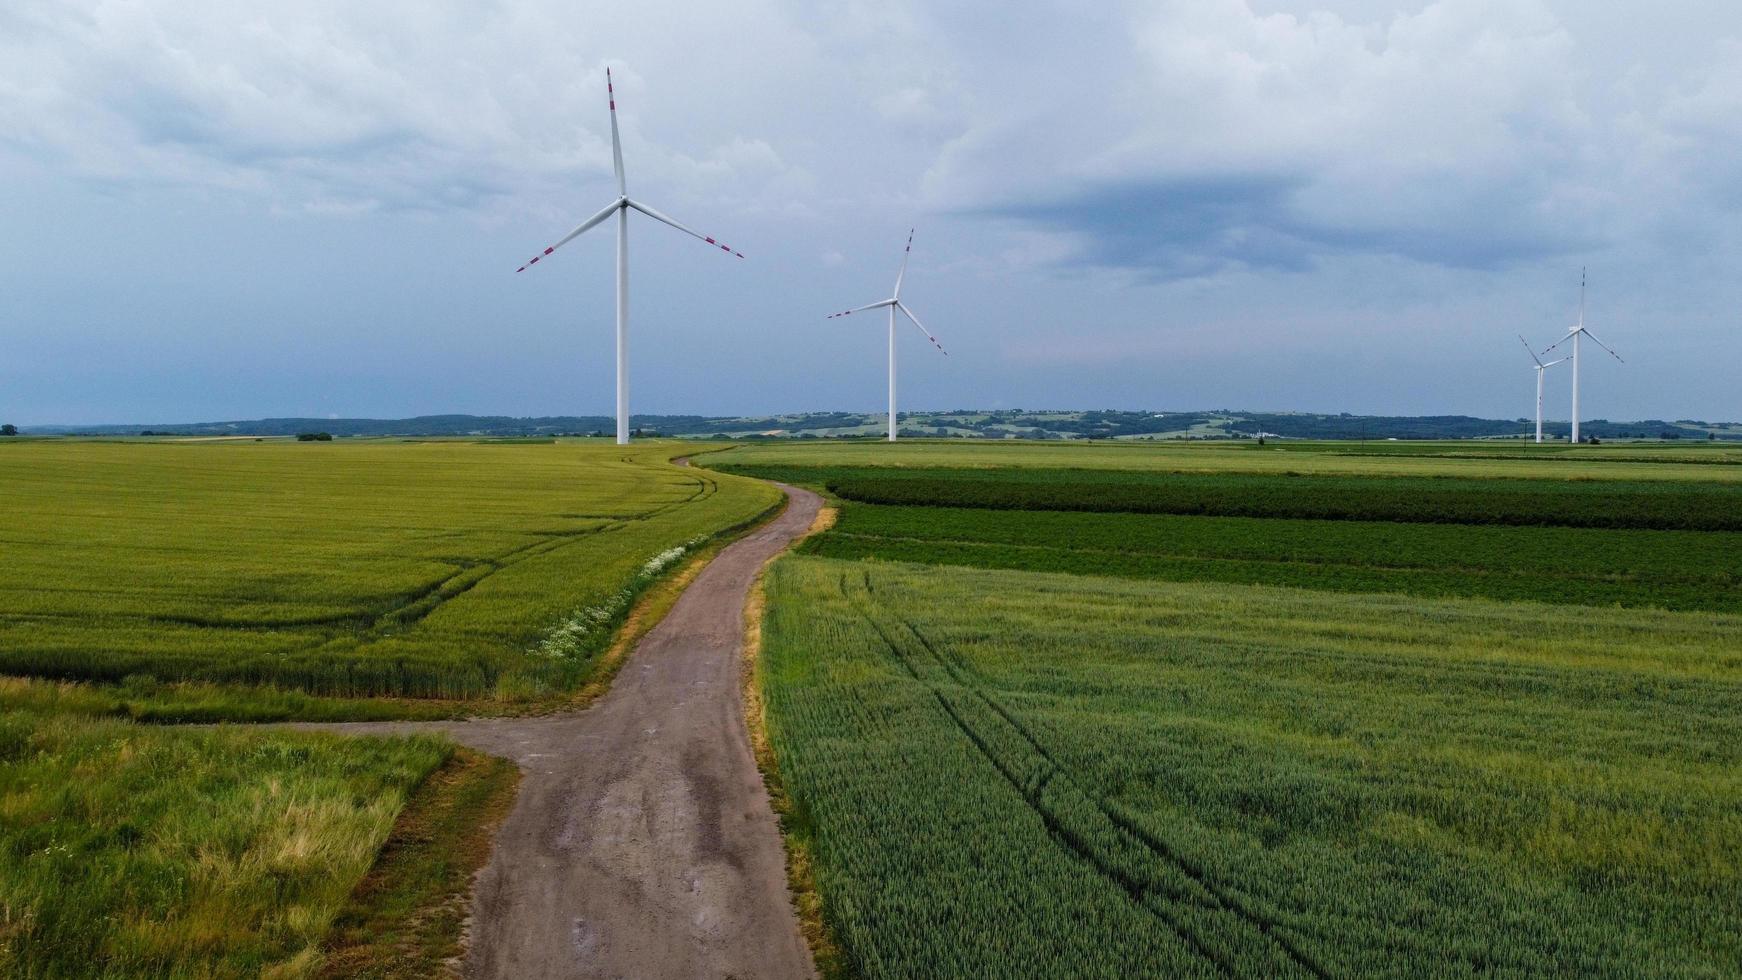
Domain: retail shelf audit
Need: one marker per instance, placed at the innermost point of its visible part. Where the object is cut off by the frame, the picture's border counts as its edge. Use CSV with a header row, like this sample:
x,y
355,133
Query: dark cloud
x,y
1188,227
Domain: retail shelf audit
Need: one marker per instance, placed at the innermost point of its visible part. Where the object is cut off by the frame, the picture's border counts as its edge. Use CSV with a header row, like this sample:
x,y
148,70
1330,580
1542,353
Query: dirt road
x,y
642,843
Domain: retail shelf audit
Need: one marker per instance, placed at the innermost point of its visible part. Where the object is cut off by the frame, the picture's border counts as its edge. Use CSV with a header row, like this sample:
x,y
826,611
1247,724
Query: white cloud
x,y
345,106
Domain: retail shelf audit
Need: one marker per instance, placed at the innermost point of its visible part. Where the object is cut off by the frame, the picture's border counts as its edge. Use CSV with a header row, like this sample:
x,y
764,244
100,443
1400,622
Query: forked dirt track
x,y
642,843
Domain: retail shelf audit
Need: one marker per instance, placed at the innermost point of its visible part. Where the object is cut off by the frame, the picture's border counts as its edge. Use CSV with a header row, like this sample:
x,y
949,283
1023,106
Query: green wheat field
x,y
1324,711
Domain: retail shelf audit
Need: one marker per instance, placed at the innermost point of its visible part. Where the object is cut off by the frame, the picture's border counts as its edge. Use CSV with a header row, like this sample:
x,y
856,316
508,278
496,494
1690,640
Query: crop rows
x,y
421,570
1665,569
1017,774
1461,460
1658,504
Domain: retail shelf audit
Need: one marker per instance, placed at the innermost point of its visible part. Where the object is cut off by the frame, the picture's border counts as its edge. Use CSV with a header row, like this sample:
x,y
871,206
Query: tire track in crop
x,y
328,633
965,674
1226,896
1032,789
417,605
1098,833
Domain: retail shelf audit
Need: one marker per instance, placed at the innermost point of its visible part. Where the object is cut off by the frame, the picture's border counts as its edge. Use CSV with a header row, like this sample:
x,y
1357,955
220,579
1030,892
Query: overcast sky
x,y
216,209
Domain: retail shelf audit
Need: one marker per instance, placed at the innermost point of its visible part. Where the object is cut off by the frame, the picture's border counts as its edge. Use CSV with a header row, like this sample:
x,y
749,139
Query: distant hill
x,y
1002,424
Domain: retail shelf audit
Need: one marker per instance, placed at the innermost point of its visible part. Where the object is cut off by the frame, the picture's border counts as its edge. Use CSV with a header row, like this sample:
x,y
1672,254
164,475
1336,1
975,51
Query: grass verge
x,y
135,850
406,917
797,833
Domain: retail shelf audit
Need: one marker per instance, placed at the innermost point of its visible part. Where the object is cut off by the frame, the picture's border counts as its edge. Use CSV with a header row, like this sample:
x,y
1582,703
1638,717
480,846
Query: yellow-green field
x,y
429,570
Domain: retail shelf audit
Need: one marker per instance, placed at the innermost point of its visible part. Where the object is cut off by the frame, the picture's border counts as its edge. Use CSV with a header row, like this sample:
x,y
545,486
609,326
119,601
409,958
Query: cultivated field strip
x,y
1600,567
1456,460
1012,773
1695,505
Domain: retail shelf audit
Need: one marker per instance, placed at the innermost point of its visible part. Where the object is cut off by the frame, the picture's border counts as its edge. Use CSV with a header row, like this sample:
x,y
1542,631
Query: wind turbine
x,y
1540,369
620,207
894,303
1574,332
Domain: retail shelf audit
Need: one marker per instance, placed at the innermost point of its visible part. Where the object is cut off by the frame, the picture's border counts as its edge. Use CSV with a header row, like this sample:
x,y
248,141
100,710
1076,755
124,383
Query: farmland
x,y
1030,721
1134,776
1664,569
1679,464
417,570
251,581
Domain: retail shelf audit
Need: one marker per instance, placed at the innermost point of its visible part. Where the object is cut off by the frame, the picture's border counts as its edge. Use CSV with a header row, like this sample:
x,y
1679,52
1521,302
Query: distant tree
x,y
8,429
1710,436
314,437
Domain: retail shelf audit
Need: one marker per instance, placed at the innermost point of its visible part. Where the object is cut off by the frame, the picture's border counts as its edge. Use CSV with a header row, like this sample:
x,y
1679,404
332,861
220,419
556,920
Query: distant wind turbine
x,y
1574,332
1540,369
894,303
620,207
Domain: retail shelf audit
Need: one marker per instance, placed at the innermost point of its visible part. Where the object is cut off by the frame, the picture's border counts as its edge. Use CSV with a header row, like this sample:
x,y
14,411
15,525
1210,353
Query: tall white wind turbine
x,y
894,303
621,207
1541,368
1574,333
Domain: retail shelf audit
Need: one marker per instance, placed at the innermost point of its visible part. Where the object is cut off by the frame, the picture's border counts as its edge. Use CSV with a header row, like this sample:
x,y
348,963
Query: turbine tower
x,y
1575,332
621,207
894,303
1540,369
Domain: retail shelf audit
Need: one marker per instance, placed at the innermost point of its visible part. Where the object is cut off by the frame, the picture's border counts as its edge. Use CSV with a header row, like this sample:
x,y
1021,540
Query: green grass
x,y
1665,569
404,919
133,850
346,569
1019,774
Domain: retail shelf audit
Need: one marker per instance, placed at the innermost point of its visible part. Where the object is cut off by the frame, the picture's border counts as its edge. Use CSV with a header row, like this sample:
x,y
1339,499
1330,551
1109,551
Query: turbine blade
x,y
616,143
861,309
1555,361
904,254
655,215
1561,341
609,210
1531,349
921,326
1606,347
